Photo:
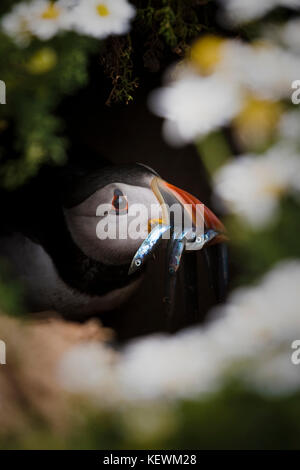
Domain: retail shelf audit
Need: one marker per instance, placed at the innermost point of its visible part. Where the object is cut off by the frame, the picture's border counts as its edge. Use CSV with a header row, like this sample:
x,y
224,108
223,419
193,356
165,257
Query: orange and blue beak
x,y
201,217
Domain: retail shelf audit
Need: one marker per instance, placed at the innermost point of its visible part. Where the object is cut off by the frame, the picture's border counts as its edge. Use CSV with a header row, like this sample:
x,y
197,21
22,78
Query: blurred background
x,y
205,92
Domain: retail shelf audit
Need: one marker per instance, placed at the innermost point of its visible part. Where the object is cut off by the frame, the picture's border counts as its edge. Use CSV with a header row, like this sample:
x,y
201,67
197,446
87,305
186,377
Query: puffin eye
x,y
119,202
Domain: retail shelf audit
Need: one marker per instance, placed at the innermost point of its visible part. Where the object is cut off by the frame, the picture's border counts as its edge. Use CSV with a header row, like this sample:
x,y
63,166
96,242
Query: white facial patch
x,y
103,234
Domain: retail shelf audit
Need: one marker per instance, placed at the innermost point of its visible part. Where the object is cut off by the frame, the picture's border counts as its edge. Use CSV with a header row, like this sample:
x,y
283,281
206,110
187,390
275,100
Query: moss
x,y
162,31
118,65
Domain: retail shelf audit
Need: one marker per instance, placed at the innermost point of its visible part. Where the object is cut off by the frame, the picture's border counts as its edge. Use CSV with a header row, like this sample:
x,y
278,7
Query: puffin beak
x,y
200,217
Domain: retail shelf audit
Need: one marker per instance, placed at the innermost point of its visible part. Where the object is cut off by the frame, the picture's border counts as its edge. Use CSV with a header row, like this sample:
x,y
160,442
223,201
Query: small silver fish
x,y
176,247
147,246
201,240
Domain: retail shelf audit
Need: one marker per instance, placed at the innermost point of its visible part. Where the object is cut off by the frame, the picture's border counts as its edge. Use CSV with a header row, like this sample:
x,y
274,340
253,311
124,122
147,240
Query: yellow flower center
x,y
257,121
102,10
51,12
275,189
206,53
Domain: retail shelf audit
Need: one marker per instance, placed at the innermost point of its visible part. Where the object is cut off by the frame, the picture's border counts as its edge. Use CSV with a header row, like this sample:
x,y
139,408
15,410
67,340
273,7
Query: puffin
x,y
62,237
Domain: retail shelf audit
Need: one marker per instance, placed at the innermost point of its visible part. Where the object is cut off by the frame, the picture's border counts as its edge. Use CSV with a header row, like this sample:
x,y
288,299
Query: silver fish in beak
x,y
147,247
190,227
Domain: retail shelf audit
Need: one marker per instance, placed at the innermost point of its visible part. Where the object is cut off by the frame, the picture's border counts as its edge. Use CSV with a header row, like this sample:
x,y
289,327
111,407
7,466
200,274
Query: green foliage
x,y
233,418
174,21
162,29
239,419
118,65
214,151
37,77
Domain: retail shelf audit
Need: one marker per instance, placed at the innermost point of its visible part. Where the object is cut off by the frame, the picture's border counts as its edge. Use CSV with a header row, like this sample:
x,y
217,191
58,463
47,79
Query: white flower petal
x,y
86,19
194,106
252,185
242,11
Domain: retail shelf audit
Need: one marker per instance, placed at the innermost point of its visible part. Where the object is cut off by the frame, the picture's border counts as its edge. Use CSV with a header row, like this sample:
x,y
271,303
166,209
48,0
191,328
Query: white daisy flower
x,y
48,18
290,34
40,18
194,106
276,69
252,185
87,369
289,126
262,69
16,24
243,11
161,367
100,18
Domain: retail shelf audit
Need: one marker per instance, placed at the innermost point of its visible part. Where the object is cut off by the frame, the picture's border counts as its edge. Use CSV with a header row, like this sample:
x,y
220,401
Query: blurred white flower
x,y
100,18
249,337
263,69
289,126
44,18
252,185
194,106
87,369
252,332
290,34
273,375
168,367
41,18
194,103
243,11
16,24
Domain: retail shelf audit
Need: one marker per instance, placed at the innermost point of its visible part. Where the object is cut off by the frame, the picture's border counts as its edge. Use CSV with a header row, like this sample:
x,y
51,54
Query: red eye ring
x,y
119,202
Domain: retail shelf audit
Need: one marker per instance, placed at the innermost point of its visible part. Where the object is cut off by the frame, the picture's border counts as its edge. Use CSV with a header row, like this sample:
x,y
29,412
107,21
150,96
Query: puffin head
x,y
110,213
